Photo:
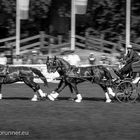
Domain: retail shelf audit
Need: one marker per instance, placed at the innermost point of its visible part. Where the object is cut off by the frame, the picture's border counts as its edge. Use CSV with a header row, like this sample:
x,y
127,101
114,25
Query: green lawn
x,y
92,119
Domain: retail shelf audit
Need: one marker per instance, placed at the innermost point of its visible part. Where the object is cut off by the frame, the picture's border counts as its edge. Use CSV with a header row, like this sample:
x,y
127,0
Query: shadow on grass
x,y
59,98
16,98
84,98
101,99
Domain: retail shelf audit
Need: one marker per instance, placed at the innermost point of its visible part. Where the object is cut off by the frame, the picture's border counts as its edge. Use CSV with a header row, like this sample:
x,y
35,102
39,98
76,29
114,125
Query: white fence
x,y
42,41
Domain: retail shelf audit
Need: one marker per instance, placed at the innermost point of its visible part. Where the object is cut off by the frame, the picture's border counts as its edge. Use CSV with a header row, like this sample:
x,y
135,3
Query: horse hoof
x,y
78,101
108,101
50,98
0,96
34,100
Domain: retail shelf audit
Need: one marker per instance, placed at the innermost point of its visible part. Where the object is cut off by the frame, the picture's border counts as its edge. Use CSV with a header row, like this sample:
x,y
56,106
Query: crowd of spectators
x,y
73,58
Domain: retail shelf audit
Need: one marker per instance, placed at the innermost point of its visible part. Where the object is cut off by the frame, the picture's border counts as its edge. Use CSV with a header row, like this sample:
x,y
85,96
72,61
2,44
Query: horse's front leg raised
x,y
60,88
52,96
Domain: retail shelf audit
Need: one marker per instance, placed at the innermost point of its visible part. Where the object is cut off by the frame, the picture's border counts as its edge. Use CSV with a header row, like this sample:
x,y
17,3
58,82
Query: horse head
x,y
52,64
57,64
49,64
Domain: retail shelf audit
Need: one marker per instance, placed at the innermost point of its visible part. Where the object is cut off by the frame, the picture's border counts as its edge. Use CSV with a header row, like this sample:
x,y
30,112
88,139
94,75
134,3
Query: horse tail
x,y
41,76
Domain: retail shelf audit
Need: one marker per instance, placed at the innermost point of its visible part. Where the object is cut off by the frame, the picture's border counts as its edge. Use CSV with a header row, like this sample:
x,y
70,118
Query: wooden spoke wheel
x,y
126,92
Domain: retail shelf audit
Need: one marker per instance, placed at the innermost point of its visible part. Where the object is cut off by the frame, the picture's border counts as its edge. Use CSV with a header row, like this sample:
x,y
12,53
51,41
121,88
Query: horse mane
x,y
64,62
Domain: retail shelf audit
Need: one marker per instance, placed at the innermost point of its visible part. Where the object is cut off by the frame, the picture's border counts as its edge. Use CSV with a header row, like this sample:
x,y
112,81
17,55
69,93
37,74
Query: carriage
x,y
126,90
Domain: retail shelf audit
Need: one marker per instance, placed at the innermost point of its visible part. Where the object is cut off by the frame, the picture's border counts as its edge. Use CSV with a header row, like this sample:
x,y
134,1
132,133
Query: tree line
x,y
106,17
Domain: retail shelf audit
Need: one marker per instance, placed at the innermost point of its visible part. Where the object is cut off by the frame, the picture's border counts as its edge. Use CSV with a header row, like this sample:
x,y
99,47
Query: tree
x,y
38,12
109,17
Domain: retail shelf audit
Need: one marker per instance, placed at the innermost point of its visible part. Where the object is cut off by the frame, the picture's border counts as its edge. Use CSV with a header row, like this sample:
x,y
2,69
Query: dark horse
x,y
72,75
12,74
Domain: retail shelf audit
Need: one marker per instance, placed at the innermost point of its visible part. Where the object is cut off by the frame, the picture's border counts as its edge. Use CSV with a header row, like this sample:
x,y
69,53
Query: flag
x,y
24,8
80,6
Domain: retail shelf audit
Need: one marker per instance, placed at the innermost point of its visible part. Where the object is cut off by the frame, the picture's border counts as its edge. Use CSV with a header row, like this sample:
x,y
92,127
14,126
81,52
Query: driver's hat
x,y
129,47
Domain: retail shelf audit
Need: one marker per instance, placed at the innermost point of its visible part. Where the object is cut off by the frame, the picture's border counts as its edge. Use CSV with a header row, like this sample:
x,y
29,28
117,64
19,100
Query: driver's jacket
x,y
132,56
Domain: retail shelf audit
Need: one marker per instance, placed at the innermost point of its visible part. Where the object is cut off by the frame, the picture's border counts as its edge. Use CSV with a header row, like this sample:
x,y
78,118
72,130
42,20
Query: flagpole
x,y
17,28
73,24
128,15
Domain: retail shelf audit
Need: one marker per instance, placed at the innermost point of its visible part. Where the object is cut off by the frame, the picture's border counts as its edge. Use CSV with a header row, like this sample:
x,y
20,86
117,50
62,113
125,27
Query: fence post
x,y
51,43
9,52
42,39
60,38
120,43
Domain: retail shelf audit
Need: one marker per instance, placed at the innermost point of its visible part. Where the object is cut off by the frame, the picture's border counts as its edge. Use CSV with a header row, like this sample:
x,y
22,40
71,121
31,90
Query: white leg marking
x,y
136,80
79,98
0,96
51,98
53,95
40,92
110,91
108,100
34,99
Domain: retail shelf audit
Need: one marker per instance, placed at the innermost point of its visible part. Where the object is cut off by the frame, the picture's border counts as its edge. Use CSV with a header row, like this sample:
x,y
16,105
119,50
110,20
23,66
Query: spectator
x,y
34,56
3,59
29,61
104,59
17,60
40,61
74,59
91,59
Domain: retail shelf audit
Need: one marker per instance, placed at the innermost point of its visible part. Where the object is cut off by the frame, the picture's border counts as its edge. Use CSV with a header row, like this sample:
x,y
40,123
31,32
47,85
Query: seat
x,y
136,66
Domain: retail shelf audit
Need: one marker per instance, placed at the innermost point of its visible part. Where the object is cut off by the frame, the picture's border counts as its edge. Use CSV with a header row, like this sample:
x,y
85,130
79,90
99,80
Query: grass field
x,y
92,119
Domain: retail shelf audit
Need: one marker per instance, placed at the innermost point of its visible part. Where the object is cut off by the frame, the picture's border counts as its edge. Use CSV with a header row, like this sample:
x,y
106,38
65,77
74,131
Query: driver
x,y
131,57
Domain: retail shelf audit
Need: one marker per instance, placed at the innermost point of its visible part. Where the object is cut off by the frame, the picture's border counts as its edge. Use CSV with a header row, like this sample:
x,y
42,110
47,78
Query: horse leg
x,y
136,77
54,94
58,87
58,90
0,91
110,91
108,100
36,88
79,97
71,89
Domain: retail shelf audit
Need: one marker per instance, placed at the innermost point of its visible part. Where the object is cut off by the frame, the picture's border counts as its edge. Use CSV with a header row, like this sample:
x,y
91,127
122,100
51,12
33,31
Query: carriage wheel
x,y
125,92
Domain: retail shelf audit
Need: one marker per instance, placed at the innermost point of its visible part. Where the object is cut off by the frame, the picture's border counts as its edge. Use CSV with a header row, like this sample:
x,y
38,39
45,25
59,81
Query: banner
x,y
80,6
24,8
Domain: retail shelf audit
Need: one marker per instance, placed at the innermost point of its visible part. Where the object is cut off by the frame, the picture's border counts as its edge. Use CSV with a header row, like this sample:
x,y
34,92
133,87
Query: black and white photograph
x,y
69,69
